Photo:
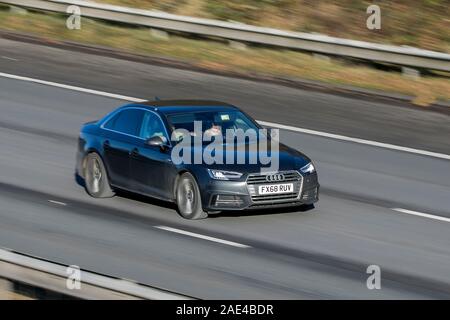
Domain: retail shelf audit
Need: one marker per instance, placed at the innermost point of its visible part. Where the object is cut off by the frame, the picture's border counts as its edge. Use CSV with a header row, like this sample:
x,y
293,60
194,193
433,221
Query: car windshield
x,y
213,123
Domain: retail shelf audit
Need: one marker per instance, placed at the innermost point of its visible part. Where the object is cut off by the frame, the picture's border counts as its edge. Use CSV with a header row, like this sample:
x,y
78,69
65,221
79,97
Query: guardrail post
x,y
237,45
411,73
160,34
5,288
321,57
18,10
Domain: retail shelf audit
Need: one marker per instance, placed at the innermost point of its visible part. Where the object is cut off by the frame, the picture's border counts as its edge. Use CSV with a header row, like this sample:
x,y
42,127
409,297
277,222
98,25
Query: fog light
x,y
222,200
310,194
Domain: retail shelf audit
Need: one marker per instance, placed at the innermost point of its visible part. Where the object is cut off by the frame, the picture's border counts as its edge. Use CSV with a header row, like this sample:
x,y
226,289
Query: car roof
x,y
178,106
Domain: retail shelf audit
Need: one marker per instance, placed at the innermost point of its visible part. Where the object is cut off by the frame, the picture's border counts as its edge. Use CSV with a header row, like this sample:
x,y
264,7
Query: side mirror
x,y
157,141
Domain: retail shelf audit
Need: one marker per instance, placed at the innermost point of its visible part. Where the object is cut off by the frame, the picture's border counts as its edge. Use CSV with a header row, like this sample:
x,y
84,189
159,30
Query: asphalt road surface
x,y
320,253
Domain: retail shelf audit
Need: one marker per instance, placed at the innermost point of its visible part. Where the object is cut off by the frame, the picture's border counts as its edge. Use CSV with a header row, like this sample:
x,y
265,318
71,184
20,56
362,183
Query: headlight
x,y
309,168
224,175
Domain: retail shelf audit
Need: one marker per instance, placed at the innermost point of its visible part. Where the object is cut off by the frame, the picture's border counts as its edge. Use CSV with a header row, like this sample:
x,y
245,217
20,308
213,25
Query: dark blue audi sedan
x,y
206,156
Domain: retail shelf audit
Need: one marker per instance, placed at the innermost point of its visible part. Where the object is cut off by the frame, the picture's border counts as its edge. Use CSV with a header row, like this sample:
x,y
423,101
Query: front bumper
x,y
241,195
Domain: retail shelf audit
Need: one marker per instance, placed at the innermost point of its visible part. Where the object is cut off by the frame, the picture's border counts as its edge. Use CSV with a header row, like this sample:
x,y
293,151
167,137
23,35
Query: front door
x,y
151,166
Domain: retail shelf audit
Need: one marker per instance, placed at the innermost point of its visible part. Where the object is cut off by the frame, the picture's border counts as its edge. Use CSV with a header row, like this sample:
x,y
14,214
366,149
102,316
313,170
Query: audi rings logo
x,y
275,177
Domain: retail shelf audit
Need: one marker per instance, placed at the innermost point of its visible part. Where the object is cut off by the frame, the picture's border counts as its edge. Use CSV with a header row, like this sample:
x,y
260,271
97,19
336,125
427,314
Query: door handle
x,y
135,152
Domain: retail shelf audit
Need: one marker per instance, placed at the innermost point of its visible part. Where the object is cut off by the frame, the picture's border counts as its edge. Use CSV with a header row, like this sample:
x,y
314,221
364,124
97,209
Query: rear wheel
x,y
96,178
188,198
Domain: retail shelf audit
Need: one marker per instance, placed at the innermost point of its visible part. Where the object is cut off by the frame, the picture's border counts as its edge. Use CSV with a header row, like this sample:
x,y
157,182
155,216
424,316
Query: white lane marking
x,y
57,202
421,214
265,123
8,58
200,236
68,87
356,140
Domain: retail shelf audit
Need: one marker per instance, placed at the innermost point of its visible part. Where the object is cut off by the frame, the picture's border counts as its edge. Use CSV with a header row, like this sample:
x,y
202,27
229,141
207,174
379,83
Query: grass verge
x,y
219,56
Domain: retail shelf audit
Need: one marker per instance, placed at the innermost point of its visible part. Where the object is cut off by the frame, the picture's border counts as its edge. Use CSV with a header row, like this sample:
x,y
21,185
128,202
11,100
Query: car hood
x,y
288,159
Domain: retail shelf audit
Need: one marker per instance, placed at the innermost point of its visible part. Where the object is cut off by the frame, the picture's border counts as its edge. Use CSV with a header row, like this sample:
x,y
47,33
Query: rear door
x,y
121,135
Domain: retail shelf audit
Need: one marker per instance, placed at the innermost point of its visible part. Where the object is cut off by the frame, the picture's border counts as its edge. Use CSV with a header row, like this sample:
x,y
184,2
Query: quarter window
x,y
127,121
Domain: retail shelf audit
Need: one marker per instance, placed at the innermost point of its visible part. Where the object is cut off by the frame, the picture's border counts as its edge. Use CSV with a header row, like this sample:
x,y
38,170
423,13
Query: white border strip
x,y
421,214
264,123
200,236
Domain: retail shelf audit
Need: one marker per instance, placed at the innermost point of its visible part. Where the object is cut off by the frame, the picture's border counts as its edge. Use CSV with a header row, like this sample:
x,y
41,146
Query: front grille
x,y
261,178
256,180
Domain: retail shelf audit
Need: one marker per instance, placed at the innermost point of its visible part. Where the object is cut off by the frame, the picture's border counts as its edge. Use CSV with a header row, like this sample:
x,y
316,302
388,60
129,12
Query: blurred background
x,y
419,24
423,24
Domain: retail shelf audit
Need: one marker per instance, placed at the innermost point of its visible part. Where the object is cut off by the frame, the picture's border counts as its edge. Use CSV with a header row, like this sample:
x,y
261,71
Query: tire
x,y
188,198
96,178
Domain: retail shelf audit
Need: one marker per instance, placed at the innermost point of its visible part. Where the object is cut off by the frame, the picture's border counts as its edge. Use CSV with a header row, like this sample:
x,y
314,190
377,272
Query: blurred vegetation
x,y
219,56
419,23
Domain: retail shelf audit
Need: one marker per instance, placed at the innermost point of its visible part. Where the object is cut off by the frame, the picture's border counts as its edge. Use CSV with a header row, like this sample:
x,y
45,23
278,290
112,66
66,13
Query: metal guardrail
x,y
36,272
403,56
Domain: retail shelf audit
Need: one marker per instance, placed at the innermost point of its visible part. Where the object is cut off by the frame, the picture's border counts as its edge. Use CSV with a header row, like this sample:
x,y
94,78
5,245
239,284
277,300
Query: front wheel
x,y
188,198
96,178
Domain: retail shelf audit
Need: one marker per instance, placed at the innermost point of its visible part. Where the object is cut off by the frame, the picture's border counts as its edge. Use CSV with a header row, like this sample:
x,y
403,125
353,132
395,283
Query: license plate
x,y
276,188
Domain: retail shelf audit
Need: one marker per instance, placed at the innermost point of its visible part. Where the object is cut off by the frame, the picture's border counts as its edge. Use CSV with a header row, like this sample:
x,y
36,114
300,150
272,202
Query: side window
x,y
152,126
127,121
